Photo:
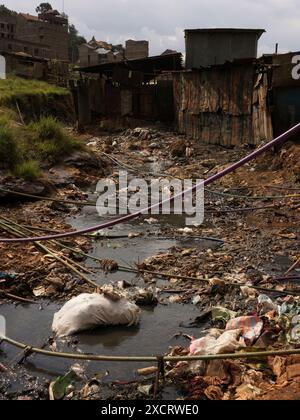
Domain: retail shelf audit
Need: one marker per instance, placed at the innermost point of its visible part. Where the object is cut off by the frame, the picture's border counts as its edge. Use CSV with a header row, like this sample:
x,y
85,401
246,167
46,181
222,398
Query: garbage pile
x,y
274,326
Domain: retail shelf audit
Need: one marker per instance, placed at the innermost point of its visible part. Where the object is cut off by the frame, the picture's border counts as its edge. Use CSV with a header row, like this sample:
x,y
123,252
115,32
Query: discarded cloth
x,y
216,343
89,311
251,327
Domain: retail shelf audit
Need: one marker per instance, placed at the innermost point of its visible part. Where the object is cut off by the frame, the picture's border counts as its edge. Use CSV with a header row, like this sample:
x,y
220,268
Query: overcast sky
x,y
162,21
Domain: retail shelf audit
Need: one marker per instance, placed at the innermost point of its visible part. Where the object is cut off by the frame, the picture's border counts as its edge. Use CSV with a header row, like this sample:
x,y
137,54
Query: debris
x,y
293,372
147,371
7,276
91,390
146,297
216,343
58,388
39,291
249,292
247,392
222,315
185,231
251,327
196,300
151,221
110,266
145,389
88,311
265,305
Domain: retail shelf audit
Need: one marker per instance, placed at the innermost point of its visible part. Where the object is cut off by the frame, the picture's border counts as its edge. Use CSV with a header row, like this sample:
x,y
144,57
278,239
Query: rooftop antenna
x,y
63,6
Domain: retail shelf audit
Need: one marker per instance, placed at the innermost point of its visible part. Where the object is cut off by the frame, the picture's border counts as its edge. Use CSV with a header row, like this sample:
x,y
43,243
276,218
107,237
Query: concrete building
x,y
43,36
208,47
49,29
135,50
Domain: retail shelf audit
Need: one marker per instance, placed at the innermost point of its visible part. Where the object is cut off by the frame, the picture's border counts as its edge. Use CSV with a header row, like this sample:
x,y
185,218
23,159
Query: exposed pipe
x,y
100,358
279,140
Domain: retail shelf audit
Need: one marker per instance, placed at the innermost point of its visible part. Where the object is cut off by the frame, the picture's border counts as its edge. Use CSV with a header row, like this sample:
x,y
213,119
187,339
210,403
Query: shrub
x,y
52,142
29,170
10,150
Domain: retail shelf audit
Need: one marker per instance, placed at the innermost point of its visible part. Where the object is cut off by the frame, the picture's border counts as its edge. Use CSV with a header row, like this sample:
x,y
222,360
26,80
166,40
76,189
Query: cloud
x,y
162,21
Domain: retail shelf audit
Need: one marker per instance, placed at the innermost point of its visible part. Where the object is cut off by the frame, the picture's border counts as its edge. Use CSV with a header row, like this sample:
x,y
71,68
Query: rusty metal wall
x,y
139,102
215,105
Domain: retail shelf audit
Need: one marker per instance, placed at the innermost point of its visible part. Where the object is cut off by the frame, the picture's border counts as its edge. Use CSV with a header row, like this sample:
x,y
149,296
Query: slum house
x,y
96,52
219,97
99,52
132,88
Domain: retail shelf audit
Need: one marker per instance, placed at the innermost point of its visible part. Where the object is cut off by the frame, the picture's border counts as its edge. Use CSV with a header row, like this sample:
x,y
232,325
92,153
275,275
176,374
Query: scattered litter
x,y
151,221
58,388
222,315
145,389
147,371
146,297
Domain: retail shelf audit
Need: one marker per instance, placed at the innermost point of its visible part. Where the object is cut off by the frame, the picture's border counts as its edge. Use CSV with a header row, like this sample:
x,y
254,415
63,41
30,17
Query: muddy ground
x,y
205,266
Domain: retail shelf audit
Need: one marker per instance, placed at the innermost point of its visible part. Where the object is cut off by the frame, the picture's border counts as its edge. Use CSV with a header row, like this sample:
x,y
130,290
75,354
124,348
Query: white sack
x,y
88,311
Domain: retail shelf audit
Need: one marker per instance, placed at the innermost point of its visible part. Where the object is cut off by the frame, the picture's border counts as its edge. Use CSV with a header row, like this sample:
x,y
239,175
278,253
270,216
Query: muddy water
x,y
154,335
31,324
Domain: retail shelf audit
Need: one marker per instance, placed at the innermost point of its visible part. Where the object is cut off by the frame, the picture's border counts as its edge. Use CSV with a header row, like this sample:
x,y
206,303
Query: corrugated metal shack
x,y
226,105
223,103
131,88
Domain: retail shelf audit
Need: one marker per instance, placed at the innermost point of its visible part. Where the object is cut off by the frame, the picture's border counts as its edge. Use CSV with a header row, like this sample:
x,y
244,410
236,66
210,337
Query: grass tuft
x,y
29,170
51,141
10,150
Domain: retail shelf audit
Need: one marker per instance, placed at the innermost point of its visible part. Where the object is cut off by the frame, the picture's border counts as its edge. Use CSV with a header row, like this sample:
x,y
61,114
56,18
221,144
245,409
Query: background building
x,y
43,36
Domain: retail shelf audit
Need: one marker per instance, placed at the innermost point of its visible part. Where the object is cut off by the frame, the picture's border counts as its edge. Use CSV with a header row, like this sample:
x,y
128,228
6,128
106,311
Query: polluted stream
x,y
154,335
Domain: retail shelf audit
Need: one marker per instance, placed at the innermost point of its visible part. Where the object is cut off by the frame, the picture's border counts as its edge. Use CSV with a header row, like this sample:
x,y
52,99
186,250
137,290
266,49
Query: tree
x,y
75,40
5,11
43,8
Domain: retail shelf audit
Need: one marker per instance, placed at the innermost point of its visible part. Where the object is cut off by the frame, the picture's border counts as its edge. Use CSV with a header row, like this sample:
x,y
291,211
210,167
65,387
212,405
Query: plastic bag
x,y
89,311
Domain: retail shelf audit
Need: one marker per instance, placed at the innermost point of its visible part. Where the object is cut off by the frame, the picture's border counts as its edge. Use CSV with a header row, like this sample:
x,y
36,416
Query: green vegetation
x,y
29,170
43,8
10,151
51,141
16,89
23,149
5,11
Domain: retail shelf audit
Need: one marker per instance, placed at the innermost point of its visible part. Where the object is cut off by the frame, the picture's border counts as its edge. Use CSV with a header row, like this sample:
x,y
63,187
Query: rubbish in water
x,y
58,388
147,371
89,311
146,297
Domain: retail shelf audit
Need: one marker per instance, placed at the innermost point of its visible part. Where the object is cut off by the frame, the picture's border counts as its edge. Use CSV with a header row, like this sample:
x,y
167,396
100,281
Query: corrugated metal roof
x,y
225,30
